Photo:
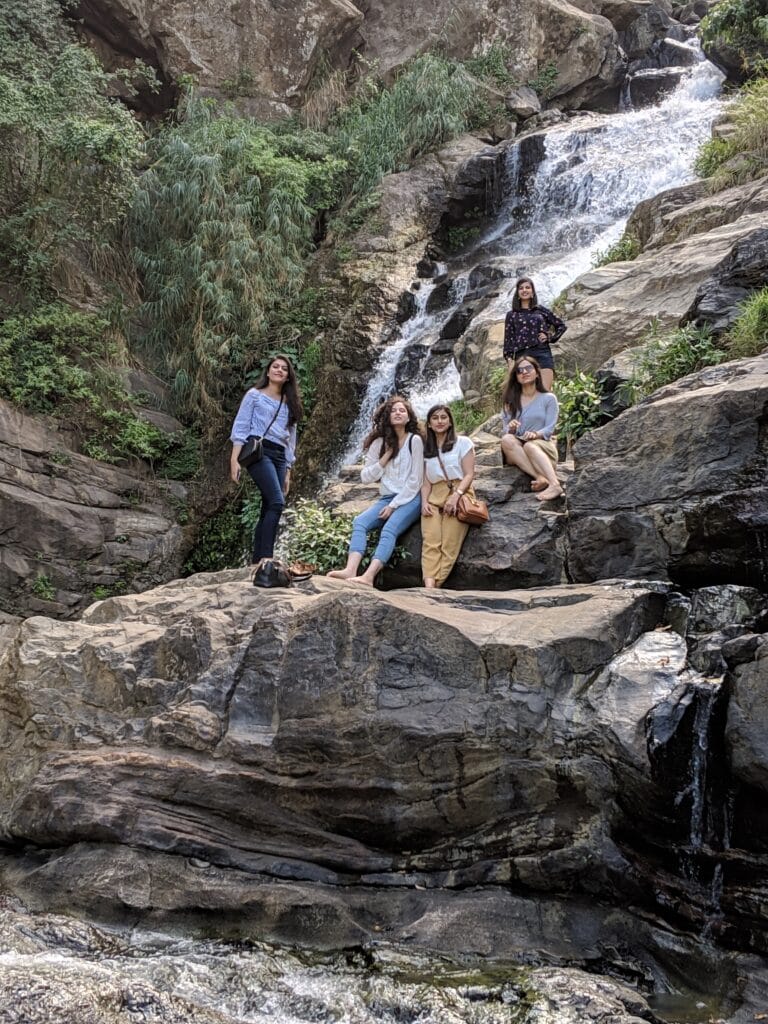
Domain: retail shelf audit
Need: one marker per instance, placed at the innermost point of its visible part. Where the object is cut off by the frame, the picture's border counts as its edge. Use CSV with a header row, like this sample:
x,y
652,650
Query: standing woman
x,y
394,455
529,418
529,329
449,469
271,409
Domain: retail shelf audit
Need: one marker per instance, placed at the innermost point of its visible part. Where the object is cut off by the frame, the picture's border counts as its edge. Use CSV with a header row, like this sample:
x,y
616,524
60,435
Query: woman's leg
x,y
543,465
402,517
361,527
515,455
432,533
269,475
547,377
454,533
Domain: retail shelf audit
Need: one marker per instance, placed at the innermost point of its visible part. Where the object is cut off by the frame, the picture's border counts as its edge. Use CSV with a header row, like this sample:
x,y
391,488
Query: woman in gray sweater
x,y
529,418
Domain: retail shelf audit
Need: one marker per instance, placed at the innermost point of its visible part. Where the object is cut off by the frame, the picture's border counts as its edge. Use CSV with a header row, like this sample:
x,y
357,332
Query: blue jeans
x,y
402,517
269,476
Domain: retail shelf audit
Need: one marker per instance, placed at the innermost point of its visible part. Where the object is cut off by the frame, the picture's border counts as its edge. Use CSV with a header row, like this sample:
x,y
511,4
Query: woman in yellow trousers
x,y
449,469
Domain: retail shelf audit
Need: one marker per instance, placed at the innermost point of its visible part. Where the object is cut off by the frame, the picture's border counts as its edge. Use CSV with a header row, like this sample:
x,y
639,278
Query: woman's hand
x,y
234,469
287,483
513,426
544,337
427,509
530,435
386,512
449,508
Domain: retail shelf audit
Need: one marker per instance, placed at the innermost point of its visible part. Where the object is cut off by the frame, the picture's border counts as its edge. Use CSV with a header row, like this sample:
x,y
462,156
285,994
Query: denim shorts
x,y
542,354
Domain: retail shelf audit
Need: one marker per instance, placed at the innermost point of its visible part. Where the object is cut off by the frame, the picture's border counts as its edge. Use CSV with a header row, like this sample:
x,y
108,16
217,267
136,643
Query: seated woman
x,y
449,469
529,418
394,455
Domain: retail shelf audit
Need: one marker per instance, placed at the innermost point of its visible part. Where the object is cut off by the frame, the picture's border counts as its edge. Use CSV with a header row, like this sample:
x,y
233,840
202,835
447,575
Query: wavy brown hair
x,y
290,390
512,392
383,428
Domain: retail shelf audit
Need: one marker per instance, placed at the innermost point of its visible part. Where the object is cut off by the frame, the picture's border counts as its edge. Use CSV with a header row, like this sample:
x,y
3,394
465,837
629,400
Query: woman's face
x,y
526,372
440,421
278,371
398,415
525,290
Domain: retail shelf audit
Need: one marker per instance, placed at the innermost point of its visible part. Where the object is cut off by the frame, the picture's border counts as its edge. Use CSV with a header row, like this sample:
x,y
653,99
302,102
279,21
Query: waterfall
x,y
596,168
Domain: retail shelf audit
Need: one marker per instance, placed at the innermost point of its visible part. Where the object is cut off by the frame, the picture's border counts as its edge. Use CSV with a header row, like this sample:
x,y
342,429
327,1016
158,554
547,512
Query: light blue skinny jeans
x,y
402,517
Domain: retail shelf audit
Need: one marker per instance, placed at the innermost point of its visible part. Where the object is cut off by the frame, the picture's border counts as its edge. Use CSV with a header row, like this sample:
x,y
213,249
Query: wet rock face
x,y
677,487
71,524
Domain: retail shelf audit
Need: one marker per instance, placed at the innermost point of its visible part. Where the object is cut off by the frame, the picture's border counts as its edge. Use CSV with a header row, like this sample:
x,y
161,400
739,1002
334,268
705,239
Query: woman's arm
x,y
375,462
241,430
426,490
415,477
509,335
468,470
558,326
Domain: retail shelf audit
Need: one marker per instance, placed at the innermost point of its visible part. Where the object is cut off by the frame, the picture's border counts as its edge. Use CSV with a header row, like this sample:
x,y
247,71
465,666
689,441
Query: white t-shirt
x,y
451,461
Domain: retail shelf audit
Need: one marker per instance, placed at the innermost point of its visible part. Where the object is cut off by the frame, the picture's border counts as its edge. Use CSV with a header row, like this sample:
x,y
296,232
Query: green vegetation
x,y
626,248
43,587
221,542
743,156
666,357
467,417
317,535
579,399
749,334
67,152
544,81
493,66
58,362
742,25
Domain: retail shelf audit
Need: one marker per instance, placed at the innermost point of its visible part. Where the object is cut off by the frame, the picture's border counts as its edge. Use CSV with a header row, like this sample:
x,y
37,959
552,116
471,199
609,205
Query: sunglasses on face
x,y
525,369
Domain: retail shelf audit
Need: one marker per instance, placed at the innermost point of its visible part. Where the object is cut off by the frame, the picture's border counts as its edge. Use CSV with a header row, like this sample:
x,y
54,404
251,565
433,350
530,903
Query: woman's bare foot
x,y
341,574
430,583
550,493
363,580
540,484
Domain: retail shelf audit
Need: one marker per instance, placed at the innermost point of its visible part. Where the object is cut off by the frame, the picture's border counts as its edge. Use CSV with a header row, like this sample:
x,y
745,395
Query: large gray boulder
x,y
677,487
72,526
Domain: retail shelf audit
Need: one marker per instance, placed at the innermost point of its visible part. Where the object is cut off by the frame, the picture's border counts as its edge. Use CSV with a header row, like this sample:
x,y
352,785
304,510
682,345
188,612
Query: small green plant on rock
x,y
544,81
743,156
749,334
666,357
579,398
43,588
626,248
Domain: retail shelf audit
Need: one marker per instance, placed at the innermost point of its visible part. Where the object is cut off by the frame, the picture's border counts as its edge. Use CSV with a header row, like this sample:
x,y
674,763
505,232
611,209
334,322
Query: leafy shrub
x,y
66,150
57,362
743,156
43,587
493,65
626,248
742,24
749,334
579,399
665,358
544,81
467,417
311,533
221,542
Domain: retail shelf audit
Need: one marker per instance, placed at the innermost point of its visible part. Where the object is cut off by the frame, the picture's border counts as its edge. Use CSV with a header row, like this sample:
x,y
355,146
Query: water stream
x,y
595,170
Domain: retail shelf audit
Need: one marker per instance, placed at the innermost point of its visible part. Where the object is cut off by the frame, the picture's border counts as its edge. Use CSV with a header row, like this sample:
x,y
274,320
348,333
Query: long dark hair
x,y
290,390
430,443
383,428
516,296
512,392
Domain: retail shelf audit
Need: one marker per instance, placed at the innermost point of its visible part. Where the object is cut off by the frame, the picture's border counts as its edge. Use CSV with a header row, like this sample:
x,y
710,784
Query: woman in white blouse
x,y
394,455
449,469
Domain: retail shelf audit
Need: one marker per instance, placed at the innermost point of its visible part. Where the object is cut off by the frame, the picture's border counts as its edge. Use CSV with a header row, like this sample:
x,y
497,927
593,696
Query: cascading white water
x,y
595,170
593,175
